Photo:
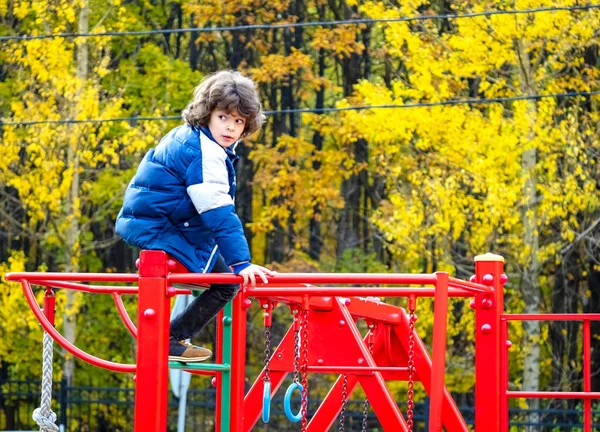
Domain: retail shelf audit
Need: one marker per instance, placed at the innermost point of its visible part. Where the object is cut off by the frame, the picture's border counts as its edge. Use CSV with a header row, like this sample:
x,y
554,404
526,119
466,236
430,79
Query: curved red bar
x,y
124,315
88,358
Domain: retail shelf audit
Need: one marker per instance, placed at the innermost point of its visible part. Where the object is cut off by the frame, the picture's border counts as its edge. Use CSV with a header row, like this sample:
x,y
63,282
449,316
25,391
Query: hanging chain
x,y
344,401
366,405
411,369
365,415
267,377
297,356
304,368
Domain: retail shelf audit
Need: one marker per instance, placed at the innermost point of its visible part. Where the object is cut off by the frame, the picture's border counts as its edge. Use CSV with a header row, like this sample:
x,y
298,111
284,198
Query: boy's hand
x,y
249,274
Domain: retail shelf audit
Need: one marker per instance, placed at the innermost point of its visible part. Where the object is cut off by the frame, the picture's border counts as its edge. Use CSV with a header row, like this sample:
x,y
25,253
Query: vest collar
x,y
230,151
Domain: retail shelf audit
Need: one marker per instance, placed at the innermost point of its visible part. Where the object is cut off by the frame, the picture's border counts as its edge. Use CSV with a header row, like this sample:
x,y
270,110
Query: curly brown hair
x,y
227,91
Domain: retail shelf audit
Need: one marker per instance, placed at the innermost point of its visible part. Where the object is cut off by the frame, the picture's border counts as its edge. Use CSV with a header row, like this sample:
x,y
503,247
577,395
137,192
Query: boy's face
x,y
226,128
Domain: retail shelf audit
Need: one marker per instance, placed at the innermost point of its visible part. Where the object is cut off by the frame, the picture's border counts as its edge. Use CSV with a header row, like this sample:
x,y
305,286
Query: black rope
x,y
303,24
470,101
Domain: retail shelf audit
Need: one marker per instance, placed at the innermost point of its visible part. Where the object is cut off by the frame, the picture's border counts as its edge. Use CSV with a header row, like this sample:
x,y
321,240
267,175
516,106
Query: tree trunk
x,y
245,168
594,307
556,333
275,239
363,155
179,26
274,248
352,227
72,206
531,268
292,39
315,241
243,204
194,51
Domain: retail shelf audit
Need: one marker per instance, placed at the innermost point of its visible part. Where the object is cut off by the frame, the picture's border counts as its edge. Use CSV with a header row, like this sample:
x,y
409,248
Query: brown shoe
x,y
184,352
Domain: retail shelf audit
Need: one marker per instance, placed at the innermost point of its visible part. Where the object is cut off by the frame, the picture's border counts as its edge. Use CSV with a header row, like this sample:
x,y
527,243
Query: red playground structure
x,y
323,338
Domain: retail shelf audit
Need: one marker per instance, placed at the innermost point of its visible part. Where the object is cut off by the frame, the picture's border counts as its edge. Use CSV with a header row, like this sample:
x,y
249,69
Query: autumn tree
x,y
518,177
62,171
422,186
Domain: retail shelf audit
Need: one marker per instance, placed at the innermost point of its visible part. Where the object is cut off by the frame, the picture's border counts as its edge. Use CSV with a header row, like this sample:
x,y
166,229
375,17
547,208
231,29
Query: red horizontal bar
x,y
202,372
350,370
87,277
180,291
419,292
552,395
316,303
469,286
332,278
551,317
265,291
93,289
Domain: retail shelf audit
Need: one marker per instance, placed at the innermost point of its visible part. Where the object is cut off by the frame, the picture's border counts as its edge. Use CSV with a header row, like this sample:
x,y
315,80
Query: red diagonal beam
x,y
330,408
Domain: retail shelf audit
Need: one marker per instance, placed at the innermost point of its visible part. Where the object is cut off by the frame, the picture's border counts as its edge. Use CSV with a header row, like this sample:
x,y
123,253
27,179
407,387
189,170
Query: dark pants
x,y
194,318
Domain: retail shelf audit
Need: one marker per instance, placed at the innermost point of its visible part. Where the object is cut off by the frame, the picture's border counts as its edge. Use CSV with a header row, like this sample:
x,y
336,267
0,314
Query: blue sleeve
x,y
227,230
241,266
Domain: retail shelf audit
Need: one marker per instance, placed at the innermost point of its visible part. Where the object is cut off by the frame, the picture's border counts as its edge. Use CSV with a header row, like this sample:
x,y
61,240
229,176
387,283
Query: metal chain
x,y
267,377
344,401
304,369
366,404
297,356
365,415
411,370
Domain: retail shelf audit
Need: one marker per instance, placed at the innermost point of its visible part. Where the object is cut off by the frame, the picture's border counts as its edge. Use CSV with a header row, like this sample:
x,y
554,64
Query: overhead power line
x,y
303,24
470,101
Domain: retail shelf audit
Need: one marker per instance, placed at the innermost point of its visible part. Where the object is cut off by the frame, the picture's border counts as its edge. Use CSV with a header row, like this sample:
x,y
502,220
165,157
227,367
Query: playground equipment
x,y
323,338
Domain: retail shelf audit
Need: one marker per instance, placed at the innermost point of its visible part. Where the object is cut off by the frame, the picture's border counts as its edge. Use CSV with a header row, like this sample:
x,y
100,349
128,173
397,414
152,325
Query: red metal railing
x,y
586,395
155,288
491,328
440,292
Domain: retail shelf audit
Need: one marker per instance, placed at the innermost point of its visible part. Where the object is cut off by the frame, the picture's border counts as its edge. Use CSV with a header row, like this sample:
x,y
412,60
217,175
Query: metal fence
x,y
110,409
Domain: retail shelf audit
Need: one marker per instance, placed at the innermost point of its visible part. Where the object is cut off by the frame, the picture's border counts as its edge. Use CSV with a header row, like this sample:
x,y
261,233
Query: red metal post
x,y
238,363
152,376
587,376
504,375
218,381
440,325
488,343
452,418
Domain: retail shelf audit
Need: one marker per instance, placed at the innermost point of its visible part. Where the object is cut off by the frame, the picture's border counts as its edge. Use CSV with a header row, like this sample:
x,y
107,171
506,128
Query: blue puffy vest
x,y
181,201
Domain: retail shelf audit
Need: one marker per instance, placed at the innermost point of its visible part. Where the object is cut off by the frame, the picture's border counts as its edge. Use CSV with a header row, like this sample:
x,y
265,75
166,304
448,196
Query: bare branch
x,y
579,237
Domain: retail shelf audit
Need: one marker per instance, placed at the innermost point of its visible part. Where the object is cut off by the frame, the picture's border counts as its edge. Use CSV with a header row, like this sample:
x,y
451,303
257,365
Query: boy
x,y
181,200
